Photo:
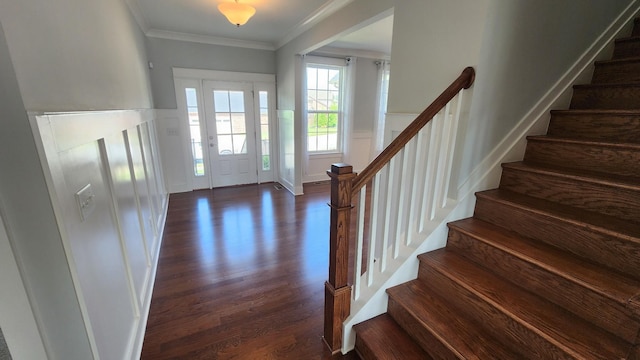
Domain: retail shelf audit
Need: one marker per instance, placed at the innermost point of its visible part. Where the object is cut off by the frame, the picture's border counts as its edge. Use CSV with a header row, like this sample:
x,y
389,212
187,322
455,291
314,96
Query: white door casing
x,y
253,159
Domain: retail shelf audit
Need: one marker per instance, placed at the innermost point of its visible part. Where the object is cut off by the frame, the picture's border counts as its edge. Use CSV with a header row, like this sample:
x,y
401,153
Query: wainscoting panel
x,y
108,193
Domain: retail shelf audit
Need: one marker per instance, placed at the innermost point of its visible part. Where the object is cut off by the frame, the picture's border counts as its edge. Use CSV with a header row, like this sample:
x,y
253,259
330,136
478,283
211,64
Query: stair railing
x,y
396,195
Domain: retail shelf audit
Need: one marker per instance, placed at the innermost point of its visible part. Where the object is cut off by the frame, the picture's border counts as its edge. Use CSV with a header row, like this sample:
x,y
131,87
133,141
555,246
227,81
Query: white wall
x,y
526,47
36,239
432,42
166,54
76,55
19,335
365,95
519,50
364,113
59,55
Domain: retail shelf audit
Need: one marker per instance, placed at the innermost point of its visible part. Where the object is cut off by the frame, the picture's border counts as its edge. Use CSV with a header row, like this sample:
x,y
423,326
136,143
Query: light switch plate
x,y
85,198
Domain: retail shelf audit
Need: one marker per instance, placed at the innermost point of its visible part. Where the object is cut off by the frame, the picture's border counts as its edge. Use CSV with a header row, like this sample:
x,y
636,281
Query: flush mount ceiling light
x,y
237,14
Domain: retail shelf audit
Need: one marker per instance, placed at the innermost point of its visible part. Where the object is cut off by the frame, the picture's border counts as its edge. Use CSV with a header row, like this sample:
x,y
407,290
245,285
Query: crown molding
x,y
211,40
330,7
135,10
342,52
320,14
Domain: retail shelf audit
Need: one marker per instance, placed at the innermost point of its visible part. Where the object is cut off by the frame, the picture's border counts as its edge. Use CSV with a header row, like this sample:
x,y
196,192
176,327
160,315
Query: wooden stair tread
x,y
602,239
626,60
588,189
597,111
621,94
606,86
556,275
597,125
459,334
554,139
619,181
612,285
594,221
628,39
555,325
607,157
382,338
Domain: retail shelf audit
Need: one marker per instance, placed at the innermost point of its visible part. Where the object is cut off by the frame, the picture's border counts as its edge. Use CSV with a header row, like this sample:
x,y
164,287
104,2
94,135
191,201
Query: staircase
x,y
549,265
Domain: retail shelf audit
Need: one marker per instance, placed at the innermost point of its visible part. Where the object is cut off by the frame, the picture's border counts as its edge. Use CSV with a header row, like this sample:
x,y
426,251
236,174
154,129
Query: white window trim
x,y
346,103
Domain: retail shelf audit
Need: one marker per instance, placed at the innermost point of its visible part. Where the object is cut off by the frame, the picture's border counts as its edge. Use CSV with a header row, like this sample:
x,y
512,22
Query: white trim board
x,y
17,320
216,75
208,39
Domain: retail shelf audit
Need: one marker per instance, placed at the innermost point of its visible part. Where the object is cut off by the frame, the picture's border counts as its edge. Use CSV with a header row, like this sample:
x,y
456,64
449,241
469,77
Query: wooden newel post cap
x,y
341,168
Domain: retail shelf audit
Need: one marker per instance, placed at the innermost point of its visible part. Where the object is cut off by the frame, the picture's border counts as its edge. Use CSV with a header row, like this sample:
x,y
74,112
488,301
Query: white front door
x,y
231,133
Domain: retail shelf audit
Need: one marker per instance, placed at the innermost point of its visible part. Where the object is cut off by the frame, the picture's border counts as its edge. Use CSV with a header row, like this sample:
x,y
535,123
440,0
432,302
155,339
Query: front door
x,y
231,133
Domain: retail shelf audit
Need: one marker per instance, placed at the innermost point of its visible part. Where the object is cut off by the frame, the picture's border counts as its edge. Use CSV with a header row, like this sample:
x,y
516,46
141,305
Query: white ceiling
x,y
373,38
275,23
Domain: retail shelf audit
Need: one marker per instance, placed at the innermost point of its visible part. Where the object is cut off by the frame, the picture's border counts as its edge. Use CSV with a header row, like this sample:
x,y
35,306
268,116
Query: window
x,y
263,98
324,107
230,122
194,130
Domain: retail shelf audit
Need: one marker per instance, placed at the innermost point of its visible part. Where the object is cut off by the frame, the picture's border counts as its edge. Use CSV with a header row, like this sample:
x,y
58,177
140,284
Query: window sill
x,y
320,155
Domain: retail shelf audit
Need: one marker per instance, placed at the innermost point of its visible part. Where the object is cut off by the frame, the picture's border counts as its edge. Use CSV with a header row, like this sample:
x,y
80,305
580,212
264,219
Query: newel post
x,y
337,291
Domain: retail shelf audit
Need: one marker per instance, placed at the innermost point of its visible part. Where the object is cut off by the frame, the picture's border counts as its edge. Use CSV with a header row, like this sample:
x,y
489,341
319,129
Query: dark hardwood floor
x,y
241,275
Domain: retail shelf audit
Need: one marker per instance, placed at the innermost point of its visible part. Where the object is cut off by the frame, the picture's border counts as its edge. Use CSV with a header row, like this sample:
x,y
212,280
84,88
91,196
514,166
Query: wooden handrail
x,y
464,81
344,184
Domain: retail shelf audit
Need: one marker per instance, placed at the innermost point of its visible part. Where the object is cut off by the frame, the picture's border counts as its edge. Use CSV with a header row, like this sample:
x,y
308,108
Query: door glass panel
x,y
240,144
264,130
225,145
221,99
237,101
230,122
238,124
194,130
223,124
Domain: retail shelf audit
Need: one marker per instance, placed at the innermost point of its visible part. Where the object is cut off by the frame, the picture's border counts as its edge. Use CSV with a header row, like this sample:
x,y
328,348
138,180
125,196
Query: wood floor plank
x,y
241,276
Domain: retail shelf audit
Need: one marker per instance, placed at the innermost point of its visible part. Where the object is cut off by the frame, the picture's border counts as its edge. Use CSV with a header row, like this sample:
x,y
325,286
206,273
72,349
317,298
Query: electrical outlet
x,y
85,199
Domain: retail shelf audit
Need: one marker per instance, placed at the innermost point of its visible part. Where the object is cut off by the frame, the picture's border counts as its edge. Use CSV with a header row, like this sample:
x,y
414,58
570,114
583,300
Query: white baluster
x,y
417,188
448,156
362,202
388,212
373,226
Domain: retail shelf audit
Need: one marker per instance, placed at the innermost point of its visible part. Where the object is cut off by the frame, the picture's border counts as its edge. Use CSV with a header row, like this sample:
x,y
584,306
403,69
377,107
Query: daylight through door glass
x,y
194,130
230,122
264,129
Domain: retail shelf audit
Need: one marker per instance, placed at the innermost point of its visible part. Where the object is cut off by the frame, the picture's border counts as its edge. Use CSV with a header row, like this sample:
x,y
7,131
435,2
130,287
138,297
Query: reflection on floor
x,y
241,275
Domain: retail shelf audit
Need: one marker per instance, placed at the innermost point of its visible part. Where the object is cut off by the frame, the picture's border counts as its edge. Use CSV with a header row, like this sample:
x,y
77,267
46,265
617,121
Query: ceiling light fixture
x,y
237,14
